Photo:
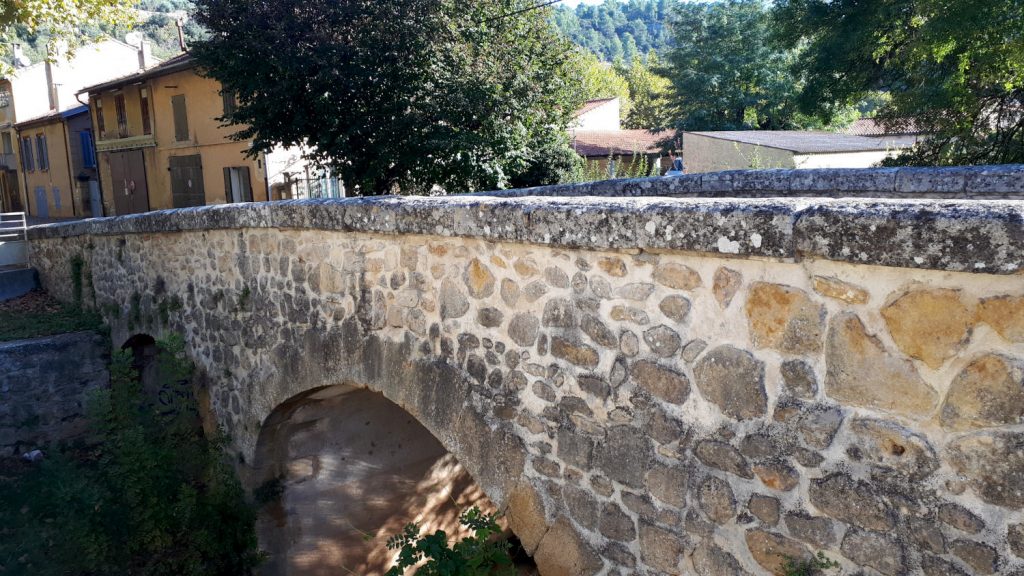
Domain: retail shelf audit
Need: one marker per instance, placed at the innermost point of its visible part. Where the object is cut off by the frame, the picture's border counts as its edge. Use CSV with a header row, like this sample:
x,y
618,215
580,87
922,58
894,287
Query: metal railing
x,y
13,227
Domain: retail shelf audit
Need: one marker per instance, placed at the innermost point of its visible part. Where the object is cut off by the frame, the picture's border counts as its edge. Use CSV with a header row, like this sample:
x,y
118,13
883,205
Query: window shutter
x,y
227,185
180,118
88,155
243,176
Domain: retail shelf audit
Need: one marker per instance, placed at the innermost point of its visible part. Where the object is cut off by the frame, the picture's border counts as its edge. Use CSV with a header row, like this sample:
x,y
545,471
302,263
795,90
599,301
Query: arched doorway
x,y
343,468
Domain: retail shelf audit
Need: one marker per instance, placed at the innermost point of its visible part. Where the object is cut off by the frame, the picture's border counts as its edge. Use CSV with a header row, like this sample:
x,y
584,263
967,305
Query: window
x,y
229,101
237,185
88,152
100,124
27,164
180,118
122,116
147,125
42,153
8,143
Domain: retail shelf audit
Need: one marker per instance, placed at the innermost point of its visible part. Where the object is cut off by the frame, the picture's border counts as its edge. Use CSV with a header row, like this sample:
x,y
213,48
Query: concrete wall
x,y
45,384
843,160
646,385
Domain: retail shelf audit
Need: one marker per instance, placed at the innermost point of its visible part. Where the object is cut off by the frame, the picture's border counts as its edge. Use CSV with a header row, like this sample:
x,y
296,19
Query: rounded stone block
x,y
733,380
784,318
861,372
1005,314
988,392
929,325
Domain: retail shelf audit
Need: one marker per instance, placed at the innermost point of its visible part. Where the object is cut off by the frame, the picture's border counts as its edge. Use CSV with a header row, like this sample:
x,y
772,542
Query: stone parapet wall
x,y
45,384
638,399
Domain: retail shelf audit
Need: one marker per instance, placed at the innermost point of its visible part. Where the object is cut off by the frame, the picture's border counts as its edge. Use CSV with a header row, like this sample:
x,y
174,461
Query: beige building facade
x,y
161,143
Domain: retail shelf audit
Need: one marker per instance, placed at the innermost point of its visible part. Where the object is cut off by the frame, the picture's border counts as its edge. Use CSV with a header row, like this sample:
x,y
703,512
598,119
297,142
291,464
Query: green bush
x,y
149,496
477,555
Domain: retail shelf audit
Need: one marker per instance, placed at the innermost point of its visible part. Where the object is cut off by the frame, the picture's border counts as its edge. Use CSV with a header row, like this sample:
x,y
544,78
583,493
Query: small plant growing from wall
x,y
476,555
810,567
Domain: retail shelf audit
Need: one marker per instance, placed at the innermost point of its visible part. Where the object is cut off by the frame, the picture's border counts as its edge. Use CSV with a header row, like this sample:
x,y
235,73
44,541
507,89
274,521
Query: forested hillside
x,y
617,30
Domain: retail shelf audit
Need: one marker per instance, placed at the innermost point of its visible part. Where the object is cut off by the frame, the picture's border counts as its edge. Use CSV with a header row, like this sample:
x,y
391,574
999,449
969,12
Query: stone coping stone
x,y
985,236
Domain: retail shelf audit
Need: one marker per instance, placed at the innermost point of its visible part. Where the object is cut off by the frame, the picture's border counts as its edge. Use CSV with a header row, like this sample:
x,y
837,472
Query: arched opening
x,y
342,469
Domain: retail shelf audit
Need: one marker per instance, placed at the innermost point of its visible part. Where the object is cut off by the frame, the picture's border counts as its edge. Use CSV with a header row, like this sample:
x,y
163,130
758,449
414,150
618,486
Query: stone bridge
x,y
700,375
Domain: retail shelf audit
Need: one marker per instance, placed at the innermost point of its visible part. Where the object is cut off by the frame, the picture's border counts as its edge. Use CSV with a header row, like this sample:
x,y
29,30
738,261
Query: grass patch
x,y
37,314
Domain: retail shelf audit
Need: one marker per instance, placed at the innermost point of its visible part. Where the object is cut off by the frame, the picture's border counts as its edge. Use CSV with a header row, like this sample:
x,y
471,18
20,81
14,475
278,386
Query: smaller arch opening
x,y
341,469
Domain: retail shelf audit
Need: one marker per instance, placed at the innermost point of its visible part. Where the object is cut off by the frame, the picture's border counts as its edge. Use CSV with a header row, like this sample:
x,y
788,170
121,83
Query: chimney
x,y
51,87
145,54
181,34
20,60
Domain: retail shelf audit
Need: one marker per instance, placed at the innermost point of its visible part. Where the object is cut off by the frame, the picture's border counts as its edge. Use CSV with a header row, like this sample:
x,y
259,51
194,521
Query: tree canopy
x,y
617,30
954,69
66,23
399,95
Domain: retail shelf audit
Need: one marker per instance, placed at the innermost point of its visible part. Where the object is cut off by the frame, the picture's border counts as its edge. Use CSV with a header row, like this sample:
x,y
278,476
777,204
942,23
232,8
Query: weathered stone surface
x,y
693,348
960,518
814,530
835,288
574,352
668,484
556,277
526,267
489,317
453,302
479,279
1005,314
981,557
663,341
799,378
710,560
723,457
993,463
662,427
523,329
559,313
525,514
815,424
988,392
929,325
581,506
660,381
616,524
891,446
637,291
925,534
879,551
630,314
629,344
612,266
624,455
772,550
660,549
717,500
509,292
764,508
777,475
784,318
563,553
1015,538
598,332
733,380
675,307
726,284
851,501
935,566
862,373
677,276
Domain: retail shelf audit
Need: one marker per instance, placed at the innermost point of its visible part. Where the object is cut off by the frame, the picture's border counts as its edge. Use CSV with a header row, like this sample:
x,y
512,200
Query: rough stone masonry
x,y
647,384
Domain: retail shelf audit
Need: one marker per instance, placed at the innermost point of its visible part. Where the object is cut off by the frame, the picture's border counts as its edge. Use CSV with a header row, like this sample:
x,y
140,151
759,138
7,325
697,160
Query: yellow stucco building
x,y
160,144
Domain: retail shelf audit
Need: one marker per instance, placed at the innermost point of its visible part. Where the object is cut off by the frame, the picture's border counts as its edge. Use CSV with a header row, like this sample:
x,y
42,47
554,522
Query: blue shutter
x,y
88,153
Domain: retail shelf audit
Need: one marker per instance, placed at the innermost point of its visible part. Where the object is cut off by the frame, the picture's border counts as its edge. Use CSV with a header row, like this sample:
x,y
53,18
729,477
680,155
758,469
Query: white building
x,y
743,149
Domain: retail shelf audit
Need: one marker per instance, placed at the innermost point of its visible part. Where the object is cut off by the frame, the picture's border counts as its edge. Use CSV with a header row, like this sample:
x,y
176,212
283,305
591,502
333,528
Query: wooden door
x,y
128,181
187,188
